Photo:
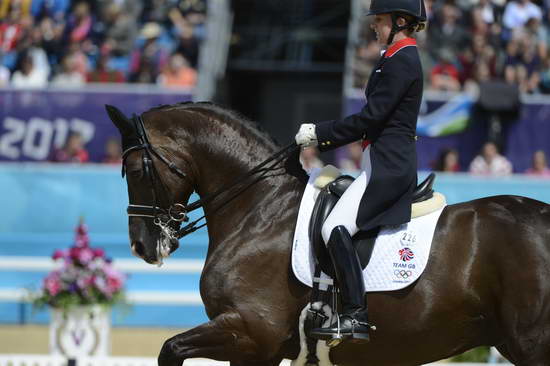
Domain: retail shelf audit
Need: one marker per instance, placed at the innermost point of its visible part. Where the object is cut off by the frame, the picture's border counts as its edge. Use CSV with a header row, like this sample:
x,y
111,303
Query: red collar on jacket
x,y
399,45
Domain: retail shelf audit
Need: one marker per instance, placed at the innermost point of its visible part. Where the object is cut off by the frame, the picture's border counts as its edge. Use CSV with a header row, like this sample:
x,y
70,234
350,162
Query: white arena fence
x,y
44,360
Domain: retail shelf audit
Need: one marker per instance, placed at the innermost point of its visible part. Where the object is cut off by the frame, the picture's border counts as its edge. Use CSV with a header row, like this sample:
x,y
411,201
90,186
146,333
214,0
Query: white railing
x,y
44,360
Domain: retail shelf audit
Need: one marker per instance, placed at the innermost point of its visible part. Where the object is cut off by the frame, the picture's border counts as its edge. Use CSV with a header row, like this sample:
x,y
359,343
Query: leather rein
x,y
170,219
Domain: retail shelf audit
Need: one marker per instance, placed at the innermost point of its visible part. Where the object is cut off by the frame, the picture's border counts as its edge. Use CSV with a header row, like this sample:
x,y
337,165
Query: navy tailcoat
x,y
388,121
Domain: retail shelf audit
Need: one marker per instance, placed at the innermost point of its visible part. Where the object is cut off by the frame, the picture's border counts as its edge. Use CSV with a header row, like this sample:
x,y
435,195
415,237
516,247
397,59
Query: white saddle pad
x,y
399,257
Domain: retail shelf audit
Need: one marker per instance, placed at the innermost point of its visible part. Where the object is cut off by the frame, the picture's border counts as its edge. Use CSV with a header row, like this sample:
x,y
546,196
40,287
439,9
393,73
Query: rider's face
x,y
382,27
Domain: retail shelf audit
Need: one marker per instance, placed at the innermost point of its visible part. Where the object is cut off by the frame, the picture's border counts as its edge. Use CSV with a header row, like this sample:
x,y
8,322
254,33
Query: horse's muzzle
x,y
138,250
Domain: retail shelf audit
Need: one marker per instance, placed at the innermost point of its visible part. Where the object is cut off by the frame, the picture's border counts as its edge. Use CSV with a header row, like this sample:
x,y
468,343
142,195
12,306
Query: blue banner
x,y
34,122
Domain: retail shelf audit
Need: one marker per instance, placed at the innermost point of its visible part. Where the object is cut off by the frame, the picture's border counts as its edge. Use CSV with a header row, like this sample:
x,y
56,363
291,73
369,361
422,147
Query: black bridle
x,y
176,213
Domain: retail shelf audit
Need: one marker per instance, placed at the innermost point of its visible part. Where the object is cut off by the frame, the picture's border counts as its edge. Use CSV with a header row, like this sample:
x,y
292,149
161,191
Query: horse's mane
x,y
223,114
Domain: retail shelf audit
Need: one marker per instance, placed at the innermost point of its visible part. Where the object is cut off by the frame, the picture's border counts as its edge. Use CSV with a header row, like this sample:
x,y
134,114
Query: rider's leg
x,y
337,232
345,211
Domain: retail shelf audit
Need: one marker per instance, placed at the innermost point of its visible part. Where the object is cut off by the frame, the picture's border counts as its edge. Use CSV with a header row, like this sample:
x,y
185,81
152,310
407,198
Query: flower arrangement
x,y
86,277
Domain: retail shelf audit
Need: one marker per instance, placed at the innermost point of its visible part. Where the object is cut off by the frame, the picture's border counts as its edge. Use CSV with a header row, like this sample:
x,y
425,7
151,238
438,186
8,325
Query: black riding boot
x,y
352,322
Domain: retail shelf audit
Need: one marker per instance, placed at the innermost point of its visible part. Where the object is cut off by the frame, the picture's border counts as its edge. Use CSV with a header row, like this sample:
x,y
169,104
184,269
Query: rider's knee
x,y
326,231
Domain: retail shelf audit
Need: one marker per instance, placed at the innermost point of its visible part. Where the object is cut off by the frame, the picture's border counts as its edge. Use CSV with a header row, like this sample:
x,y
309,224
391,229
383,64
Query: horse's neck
x,y
220,163
224,149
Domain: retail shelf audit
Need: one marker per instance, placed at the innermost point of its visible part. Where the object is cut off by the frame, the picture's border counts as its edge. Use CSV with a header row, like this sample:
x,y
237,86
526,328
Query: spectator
x,y
32,44
481,74
539,166
104,74
54,9
446,30
80,59
194,13
72,152
121,32
28,76
544,85
132,8
148,60
444,75
352,163
490,162
523,64
79,24
187,43
52,38
537,34
367,55
309,158
69,76
156,11
448,161
488,11
517,13
178,73
113,151
4,74
11,30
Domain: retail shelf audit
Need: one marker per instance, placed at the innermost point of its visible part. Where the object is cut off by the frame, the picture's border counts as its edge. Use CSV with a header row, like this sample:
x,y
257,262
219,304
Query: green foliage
x,y
480,354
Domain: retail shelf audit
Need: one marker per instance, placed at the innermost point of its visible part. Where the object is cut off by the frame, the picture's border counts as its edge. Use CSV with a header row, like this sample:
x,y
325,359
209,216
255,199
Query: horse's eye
x,y
135,173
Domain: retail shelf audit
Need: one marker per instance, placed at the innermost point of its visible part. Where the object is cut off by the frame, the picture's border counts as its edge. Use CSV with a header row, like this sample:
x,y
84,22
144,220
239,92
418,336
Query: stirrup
x,y
339,337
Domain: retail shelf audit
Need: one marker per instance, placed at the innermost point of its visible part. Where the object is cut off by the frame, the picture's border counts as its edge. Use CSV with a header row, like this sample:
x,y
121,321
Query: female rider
x,y
382,194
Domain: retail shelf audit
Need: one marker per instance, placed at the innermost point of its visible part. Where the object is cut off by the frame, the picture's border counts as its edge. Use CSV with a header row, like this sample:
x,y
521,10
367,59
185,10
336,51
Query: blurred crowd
x,y
74,151
469,42
489,162
70,43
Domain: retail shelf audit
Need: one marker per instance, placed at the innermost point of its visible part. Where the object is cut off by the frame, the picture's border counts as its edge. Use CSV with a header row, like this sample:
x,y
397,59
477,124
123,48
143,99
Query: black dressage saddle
x,y
363,240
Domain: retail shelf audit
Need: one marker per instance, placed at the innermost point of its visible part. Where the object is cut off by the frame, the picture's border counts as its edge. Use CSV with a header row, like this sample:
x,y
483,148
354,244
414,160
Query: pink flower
x,y
86,255
59,254
84,282
114,284
82,229
82,255
84,271
99,253
82,241
52,283
101,284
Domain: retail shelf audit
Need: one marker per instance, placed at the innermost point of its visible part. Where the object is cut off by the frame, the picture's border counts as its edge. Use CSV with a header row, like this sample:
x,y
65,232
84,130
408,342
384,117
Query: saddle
x,y
332,189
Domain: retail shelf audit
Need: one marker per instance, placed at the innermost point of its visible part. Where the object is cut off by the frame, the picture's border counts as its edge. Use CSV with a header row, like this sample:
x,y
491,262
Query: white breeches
x,y
346,209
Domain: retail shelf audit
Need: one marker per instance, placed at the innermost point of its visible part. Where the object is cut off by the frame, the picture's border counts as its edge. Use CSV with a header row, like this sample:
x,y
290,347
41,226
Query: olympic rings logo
x,y
402,274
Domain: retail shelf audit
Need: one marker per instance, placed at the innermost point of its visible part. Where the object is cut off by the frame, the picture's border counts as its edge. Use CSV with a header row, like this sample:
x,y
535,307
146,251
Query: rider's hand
x,y
306,136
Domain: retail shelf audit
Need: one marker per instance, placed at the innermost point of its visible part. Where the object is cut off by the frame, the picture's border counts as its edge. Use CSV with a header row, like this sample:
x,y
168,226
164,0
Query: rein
x,y
177,212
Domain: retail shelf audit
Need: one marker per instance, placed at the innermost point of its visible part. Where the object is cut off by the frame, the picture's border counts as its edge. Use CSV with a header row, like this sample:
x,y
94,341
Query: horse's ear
x,y
122,122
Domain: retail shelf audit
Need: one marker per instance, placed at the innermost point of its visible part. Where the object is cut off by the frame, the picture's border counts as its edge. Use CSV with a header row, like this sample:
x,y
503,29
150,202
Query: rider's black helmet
x,y
415,8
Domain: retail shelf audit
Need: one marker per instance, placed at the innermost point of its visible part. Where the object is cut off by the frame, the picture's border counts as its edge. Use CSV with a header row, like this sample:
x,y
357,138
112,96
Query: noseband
x,y
169,219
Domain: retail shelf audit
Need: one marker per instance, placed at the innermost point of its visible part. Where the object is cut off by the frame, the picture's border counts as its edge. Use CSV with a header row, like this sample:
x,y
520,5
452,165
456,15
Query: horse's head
x,y
159,186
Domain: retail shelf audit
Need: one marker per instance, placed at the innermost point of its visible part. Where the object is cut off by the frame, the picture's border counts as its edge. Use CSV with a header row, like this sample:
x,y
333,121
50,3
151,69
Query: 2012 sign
x,y
34,139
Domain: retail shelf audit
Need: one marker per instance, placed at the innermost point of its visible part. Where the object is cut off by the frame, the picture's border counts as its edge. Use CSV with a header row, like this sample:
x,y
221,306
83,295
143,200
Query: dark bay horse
x,y
487,281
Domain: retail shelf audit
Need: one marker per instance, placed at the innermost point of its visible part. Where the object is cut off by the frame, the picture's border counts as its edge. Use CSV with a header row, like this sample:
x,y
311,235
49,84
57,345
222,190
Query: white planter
x,y
81,331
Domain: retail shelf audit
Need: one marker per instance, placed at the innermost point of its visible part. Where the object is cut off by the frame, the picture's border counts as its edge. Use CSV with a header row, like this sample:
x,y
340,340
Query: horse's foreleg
x,y
223,338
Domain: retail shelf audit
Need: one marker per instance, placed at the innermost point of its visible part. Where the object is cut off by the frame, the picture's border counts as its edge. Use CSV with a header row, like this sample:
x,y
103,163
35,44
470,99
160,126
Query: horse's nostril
x,y
138,248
